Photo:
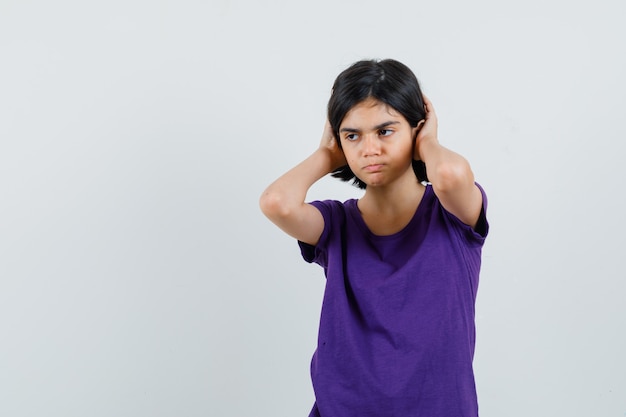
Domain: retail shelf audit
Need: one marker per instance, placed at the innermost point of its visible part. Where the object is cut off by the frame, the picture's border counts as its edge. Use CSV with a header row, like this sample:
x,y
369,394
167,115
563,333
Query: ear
x,y
417,128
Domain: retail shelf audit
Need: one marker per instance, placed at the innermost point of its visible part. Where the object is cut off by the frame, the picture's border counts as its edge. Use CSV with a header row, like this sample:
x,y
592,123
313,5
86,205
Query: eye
x,y
385,132
351,137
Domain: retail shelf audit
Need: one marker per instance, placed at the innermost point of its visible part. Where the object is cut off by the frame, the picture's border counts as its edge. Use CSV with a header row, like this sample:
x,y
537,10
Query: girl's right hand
x,y
329,145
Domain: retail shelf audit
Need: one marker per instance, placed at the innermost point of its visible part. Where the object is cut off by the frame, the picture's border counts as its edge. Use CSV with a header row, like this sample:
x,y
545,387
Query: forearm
x,y
288,192
449,173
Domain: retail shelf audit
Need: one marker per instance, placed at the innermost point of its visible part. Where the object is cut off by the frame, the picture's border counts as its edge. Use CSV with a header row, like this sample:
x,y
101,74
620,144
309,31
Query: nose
x,y
371,145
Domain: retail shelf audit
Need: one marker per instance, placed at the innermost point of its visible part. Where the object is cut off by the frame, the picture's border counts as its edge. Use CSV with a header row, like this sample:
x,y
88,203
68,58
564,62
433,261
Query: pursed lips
x,y
373,167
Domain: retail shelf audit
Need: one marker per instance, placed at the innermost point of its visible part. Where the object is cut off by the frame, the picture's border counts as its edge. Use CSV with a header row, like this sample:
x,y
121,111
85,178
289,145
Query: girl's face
x,y
377,142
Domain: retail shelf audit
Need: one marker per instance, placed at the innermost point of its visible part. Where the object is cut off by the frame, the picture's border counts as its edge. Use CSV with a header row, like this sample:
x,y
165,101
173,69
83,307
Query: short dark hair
x,y
387,81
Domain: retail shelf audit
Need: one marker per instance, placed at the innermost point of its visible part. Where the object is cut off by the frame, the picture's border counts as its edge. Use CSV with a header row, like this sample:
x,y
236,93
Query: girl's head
x,y
387,81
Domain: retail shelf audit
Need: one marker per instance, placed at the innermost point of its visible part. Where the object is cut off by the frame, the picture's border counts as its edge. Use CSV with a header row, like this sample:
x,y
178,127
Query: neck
x,y
402,195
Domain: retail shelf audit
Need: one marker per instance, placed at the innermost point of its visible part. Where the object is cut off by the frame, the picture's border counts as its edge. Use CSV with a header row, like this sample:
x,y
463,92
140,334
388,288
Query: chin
x,y
374,184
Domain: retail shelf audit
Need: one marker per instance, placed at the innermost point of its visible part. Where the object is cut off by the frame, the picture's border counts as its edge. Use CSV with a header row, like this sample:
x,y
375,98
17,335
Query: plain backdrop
x,y
138,276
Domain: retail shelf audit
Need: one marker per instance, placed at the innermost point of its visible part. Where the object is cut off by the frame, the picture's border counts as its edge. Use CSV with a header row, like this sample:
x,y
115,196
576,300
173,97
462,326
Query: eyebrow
x,y
377,127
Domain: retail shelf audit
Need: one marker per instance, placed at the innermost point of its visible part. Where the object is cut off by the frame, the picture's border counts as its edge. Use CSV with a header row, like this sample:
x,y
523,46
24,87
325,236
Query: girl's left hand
x,y
427,128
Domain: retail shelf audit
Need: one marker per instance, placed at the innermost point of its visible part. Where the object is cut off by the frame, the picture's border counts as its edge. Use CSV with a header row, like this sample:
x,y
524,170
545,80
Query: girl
x,y
397,334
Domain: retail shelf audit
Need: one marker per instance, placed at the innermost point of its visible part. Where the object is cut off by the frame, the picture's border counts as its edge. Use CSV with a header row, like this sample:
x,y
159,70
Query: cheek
x,y
351,162
349,153
351,159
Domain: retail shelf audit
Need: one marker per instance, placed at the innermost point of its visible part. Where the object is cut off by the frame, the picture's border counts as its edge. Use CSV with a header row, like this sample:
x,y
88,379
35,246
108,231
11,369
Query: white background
x,y
137,274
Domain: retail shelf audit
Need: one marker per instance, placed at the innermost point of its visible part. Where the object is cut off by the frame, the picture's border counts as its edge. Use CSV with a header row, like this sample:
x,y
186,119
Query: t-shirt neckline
x,y
355,213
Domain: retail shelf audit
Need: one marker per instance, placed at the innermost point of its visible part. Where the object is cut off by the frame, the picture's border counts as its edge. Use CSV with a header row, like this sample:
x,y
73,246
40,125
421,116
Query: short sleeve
x,y
479,233
317,253
482,226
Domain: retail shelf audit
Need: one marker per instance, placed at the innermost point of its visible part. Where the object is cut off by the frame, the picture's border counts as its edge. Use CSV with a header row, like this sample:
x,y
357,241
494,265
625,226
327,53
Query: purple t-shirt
x,y
397,334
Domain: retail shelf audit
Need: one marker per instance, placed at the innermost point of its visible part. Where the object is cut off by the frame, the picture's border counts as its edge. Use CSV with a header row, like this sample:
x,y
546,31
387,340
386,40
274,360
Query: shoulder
x,y
331,209
334,213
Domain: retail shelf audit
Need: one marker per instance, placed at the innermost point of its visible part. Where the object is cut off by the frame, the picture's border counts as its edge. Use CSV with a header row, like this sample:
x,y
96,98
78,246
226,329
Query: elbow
x,y
273,205
452,176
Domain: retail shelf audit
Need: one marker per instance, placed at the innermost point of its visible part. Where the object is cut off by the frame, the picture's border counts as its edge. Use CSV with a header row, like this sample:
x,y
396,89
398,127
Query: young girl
x,y
396,335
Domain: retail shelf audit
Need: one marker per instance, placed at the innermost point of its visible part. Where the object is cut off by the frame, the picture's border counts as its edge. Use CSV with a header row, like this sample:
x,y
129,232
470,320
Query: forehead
x,y
371,110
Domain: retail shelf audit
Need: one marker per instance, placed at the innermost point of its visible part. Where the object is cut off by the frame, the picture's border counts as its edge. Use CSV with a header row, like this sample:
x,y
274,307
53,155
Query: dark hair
x,y
388,81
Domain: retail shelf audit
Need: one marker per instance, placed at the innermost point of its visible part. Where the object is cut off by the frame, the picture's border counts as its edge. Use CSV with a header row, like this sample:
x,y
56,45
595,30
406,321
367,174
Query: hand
x,y
329,145
427,129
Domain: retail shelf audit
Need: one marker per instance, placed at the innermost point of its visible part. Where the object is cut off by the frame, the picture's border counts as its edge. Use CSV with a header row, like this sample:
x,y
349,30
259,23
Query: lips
x,y
373,167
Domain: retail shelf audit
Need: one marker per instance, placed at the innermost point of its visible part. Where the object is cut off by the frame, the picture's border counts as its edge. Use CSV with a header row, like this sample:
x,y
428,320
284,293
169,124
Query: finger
x,y
427,102
428,105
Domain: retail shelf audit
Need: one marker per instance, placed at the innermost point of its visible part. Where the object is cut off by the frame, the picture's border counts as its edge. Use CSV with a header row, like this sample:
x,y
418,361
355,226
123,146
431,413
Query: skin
x,y
377,144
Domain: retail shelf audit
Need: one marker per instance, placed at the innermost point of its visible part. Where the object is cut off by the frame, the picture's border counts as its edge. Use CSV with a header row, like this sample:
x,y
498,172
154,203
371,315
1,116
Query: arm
x,y
450,174
283,201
